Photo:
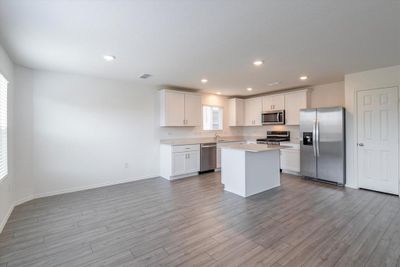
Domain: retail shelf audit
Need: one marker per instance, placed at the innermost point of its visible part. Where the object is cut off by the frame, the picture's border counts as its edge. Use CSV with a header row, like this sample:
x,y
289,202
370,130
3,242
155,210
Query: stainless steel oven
x,y
273,117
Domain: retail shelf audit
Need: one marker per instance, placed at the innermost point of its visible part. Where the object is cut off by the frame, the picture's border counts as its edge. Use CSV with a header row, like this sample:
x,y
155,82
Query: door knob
x,y
360,144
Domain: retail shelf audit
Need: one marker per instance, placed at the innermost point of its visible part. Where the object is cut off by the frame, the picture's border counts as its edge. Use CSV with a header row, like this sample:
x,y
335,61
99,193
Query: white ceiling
x,y
180,42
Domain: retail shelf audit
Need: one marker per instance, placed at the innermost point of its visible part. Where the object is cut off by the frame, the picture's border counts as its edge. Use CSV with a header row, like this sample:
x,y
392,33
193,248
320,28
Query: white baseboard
x,y
5,219
23,200
171,178
81,188
291,172
351,186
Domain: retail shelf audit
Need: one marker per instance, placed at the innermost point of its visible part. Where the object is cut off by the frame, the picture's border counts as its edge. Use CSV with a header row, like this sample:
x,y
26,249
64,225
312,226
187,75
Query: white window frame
x,y
221,119
3,128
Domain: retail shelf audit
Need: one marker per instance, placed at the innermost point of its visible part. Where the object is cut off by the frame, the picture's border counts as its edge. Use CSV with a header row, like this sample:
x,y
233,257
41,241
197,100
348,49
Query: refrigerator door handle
x,y
314,138
317,136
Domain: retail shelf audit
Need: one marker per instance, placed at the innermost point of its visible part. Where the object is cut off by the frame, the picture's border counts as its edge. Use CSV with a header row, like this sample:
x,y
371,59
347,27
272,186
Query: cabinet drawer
x,y
185,148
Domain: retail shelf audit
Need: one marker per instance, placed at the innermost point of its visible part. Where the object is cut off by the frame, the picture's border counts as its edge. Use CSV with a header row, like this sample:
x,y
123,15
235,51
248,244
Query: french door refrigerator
x,y
322,146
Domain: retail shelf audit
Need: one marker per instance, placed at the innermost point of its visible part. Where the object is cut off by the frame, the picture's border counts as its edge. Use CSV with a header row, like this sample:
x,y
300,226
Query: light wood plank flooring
x,y
193,222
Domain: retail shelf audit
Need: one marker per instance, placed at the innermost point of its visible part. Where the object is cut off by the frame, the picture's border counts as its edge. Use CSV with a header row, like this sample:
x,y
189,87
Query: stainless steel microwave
x,y
273,117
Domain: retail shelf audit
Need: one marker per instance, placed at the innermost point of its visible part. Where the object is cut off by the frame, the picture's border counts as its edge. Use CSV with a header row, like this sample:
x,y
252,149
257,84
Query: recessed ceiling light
x,y
144,76
258,62
274,83
303,78
109,57
218,93
204,80
249,89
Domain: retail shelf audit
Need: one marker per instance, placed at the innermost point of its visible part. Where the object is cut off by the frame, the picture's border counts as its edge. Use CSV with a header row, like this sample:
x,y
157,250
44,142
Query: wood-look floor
x,y
193,222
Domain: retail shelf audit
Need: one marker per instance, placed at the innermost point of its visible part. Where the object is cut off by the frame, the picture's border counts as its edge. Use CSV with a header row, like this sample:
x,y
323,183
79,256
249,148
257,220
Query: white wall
x,y
327,95
23,114
78,132
6,184
89,132
378,78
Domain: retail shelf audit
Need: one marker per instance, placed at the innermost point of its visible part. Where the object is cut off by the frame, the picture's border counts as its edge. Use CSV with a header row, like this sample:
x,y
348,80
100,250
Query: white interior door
x,y
378,137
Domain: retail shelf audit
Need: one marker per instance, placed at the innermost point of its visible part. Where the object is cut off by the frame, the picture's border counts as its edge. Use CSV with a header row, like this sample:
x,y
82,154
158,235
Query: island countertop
x,y
254,147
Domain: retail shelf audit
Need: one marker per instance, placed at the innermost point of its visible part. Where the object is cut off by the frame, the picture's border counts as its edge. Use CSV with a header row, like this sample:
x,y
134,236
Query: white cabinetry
x,y
290,158
192,109
179,108
219,145
252,111
179,161
293,103
236,112
273,102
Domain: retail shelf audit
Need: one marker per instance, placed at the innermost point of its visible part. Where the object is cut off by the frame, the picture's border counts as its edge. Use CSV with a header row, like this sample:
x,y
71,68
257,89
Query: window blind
x,y
3,127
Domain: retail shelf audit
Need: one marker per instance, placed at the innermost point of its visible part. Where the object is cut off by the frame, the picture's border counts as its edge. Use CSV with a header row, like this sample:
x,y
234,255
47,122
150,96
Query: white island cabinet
x,y
248,169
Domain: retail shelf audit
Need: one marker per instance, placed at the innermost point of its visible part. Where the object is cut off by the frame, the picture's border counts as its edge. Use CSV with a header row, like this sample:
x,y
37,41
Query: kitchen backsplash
x,y
262,131
195,132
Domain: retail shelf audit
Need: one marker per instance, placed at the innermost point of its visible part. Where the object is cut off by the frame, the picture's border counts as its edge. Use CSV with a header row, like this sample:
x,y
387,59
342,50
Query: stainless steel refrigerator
x,y
322,146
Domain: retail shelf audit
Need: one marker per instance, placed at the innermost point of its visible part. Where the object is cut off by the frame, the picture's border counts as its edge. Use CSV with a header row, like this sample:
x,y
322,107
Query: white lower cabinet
x,y
290,159
192,163
179,161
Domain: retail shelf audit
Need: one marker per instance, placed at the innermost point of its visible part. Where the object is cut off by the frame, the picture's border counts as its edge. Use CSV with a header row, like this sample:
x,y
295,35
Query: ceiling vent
x,y
144,76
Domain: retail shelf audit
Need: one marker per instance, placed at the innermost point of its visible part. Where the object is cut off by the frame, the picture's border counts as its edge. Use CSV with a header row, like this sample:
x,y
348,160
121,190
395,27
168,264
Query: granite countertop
x,y
195,141
254,147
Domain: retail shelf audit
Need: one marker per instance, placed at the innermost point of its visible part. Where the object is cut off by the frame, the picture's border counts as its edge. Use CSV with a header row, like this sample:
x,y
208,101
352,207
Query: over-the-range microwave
x,y
273,117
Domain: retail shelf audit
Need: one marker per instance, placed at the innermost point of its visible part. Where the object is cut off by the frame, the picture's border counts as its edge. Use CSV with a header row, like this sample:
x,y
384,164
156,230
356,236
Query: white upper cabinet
x,y
179,108
236,112
172,107
293,103
192,110
252,111
273,102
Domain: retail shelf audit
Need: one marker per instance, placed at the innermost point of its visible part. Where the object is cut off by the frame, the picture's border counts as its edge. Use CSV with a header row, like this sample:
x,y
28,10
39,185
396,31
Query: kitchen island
x,y
248,169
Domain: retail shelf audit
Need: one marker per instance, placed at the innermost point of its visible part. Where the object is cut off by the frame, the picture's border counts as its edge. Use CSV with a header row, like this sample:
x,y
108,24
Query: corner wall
x,y
7,183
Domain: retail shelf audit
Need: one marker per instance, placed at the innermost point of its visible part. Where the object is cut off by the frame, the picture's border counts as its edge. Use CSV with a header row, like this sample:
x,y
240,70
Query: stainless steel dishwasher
x,y
208,157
